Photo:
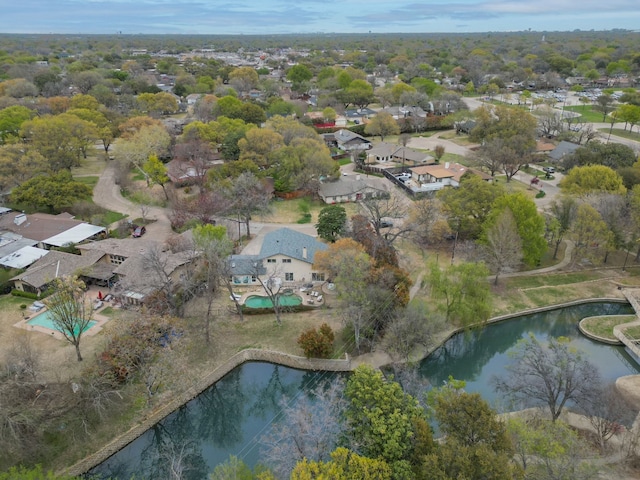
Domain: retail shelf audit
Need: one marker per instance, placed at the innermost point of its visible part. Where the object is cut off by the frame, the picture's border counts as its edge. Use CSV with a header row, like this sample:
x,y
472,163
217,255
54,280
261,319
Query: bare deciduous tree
x,y
248,196
413,327
551,375
309,429
607,412
503,245
388,205
70,310
213,247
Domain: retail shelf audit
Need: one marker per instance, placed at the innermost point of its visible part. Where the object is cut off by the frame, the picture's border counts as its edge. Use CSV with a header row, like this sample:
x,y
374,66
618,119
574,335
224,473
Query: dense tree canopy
x,y
592,179
53,193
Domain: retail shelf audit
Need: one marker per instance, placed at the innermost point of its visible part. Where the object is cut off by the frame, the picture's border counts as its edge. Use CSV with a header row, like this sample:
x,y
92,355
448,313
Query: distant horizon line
x,y
118,33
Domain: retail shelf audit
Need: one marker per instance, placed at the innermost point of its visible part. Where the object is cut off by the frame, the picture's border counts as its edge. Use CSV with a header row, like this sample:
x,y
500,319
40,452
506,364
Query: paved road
x,y
107,194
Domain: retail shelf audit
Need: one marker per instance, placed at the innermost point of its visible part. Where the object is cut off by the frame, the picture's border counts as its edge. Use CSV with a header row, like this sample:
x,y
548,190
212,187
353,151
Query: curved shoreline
x,y
279,358
598,338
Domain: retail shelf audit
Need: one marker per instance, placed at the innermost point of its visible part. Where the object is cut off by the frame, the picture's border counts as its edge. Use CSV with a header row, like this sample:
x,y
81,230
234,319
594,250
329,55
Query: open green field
x,y
587,113
620,132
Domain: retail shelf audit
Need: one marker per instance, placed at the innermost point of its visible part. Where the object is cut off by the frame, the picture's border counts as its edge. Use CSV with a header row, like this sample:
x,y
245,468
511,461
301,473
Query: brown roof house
x,y
436,177
56,264
49,230
140,266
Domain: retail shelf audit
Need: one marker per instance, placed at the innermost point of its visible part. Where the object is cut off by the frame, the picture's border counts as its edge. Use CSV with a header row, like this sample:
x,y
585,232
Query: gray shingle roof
x,y
285,241
563,148
247,265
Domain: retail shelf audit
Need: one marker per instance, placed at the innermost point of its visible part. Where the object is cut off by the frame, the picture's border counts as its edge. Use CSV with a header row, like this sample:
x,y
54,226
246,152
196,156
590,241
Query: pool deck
x,y
308,296
94,330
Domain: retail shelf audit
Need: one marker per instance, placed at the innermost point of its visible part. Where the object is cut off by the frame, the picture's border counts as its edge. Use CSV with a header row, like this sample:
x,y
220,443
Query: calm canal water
x,y
230,417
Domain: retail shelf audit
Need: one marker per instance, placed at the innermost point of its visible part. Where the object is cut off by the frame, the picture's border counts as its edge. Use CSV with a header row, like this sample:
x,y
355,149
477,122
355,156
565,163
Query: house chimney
x,y
20,219
304,252
446,165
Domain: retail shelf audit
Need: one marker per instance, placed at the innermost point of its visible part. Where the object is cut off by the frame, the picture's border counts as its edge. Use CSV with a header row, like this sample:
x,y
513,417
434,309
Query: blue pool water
x,y
43,320
258,301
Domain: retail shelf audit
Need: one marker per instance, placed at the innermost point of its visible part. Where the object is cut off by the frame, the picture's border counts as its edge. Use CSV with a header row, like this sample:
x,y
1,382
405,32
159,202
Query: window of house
x,y
116,259
286,260
317,277
254,278
271,260
288,277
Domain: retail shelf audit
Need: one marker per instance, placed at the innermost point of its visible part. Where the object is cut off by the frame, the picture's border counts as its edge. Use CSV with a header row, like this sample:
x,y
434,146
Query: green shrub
x,y
31,296
540,194
19,293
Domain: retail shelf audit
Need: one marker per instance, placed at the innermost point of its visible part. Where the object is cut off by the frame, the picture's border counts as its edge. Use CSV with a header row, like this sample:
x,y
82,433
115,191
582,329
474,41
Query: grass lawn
x,y
619,132
515,186
587,113
344,161
90,180
92,165
453,157
521,293
602,326
292,211
633,332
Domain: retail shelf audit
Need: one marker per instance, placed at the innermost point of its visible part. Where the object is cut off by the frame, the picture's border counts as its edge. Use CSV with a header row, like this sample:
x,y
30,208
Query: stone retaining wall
x,y
618,330
248,355
595,337
279,358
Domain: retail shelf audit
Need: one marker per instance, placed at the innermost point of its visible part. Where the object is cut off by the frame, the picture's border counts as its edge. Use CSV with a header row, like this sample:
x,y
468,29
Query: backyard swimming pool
x,y
44,320
258,301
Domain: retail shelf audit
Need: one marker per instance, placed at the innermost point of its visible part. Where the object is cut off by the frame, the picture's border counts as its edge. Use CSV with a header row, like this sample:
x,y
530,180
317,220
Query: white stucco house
x,y
286,257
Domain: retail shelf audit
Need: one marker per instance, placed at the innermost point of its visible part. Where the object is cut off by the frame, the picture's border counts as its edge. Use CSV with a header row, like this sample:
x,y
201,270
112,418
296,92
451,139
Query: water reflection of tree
x,y
113,469
221,410
309,426
267,399
465,355
173,452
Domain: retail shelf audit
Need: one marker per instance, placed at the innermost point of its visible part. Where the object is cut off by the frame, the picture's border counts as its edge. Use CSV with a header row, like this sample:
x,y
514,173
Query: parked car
x,y
139,231
385,224
549,169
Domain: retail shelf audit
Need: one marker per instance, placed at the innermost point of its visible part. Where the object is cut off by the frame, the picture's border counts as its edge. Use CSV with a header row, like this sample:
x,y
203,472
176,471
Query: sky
x,y
252,17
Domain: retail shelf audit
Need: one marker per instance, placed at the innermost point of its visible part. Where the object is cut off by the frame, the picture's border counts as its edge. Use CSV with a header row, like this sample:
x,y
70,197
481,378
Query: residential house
x,y
436,177
563,149
347,189
359,115
190,172
23,257
464,127
387,152
286,257
381,153
193,98
133,278
49,230
347,140
406,111
56,264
